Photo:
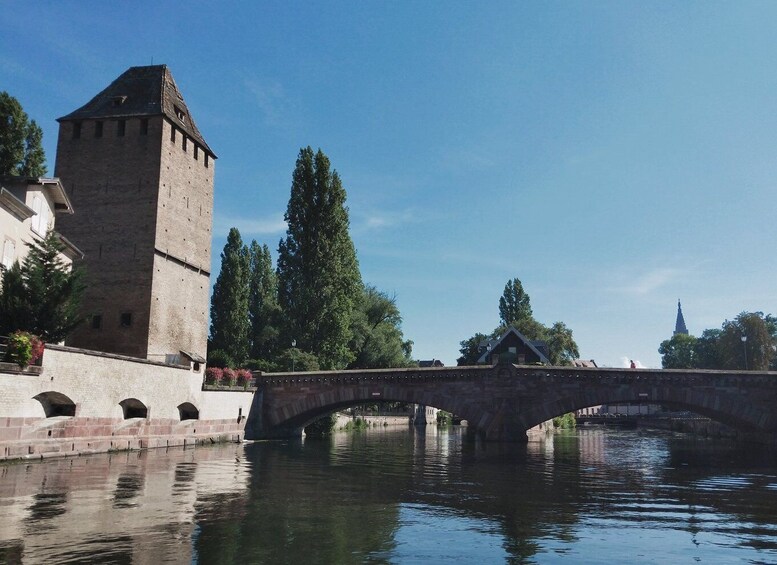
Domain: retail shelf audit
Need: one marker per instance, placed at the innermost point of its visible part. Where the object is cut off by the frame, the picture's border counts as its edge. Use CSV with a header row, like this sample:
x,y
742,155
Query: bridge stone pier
x,y
502,402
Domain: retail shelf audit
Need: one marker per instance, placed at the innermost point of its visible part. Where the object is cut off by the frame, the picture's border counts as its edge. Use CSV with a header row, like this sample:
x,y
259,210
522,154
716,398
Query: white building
x,y
28,210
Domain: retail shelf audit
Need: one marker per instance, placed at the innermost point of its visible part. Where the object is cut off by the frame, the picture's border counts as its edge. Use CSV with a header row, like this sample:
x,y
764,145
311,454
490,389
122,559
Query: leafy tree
x,y
229,304
43,295
21,149
318,273
757,352
294,359
561,346
679,352
514,305
470,349
263,309
376,334
706,351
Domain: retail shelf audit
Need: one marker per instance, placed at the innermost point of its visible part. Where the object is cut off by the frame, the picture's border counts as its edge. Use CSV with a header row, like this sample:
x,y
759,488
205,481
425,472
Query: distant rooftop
x,y
142,91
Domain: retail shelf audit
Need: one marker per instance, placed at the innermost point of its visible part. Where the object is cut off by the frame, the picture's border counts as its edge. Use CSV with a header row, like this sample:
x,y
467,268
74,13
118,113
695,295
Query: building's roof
x,y
142,91
679,325
70,249
51,185
511,330
431,363
584,363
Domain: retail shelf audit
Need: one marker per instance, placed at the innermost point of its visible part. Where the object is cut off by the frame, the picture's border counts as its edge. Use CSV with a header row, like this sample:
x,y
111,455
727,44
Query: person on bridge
x,y
633,365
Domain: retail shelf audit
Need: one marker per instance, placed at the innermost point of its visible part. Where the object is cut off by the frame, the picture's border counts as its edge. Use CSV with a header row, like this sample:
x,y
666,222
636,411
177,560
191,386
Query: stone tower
x,y
679,325
140,176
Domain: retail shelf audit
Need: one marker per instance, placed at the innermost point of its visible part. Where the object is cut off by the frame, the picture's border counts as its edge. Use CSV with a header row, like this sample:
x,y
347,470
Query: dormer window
x,y
180,114
118,100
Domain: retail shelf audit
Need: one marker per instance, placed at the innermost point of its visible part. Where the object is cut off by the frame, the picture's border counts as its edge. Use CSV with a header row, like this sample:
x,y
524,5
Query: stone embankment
x,y
79,402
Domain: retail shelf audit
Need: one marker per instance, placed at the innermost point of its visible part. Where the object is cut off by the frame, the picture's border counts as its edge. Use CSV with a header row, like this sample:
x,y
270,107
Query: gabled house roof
x,y
13,186
511,330
142,91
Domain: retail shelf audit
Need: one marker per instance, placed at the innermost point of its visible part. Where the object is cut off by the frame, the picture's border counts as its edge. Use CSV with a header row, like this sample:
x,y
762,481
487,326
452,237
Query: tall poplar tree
x,y
514,305
263,309
21,150
318,273
229,323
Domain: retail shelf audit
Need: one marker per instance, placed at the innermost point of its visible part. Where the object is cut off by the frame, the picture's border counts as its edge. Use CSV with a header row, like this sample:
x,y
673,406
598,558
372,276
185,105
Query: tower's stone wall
x,y
113,184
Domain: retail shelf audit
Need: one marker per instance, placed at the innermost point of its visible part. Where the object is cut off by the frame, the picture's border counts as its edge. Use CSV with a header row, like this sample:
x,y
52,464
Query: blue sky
x,y
614,156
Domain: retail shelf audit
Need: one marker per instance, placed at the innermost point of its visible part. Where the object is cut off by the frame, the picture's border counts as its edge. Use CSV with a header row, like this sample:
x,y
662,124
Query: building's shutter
x,y
9,248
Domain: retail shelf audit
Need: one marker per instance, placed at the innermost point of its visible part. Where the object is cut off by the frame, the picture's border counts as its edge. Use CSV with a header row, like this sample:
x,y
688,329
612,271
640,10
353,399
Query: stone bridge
x,y
502,402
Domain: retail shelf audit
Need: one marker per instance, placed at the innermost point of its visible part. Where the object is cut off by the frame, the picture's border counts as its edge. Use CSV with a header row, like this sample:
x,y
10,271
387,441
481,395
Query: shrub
x,y
23,348
244,377
220,358
229,377
213,375
261,365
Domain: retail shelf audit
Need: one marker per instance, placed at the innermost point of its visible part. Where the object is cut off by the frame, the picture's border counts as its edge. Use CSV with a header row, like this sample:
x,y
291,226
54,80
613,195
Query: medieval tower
x,y
140,176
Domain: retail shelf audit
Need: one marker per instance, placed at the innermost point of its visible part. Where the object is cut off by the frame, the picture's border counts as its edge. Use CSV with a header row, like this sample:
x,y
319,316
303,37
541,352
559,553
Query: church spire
x,y
679,326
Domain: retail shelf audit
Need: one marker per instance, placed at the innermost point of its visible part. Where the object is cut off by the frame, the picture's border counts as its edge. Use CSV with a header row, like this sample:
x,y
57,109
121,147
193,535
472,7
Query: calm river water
x,y
399,496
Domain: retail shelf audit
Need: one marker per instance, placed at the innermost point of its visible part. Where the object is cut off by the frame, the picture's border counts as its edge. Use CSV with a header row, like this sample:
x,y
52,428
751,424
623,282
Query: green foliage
x,y
723,348
706,351
21,149
679,352
514,305
565,422
469,349
264,311
19,349
757,352
515,310
42,296
263,365
318,274
322,426
220,358
229,327
376,334
444,418
294,359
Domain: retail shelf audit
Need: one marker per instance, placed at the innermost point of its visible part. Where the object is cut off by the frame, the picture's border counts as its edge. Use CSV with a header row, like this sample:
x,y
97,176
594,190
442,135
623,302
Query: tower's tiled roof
x,y
142,91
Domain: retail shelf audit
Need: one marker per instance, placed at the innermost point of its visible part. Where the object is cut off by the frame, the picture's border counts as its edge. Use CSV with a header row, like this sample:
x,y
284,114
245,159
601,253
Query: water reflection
x,y
396,496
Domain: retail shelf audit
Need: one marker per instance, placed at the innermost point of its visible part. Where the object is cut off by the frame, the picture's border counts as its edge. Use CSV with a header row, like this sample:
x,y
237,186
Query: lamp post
x,y
744,348
293,356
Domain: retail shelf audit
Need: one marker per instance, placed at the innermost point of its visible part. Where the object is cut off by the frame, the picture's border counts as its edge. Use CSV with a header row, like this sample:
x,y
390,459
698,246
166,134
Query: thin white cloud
x,y
374,220
269,225
650,281
272,100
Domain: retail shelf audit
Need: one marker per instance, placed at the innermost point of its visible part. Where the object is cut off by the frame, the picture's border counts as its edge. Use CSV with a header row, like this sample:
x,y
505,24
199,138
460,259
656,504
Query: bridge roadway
x,y
503,401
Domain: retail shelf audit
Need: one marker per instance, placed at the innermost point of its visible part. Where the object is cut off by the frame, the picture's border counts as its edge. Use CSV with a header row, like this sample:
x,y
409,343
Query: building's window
x,y
126,319
40,221
98,129
144,126
121,128
180,114
76,130
97,321
9,250
118,100
196,152
206,160
172,133
184,144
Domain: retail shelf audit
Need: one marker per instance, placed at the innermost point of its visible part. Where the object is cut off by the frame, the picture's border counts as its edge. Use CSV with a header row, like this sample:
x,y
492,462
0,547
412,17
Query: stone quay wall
x,y
82,401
